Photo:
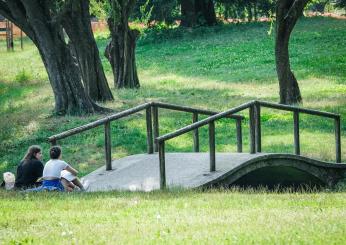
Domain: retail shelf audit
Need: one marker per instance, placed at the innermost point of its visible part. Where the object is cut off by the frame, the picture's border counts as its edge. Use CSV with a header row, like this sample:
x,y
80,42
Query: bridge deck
x,y
141,172
189,170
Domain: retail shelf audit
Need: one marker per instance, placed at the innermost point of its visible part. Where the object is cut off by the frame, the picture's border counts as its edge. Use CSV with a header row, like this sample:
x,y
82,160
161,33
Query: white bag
x,y
9,180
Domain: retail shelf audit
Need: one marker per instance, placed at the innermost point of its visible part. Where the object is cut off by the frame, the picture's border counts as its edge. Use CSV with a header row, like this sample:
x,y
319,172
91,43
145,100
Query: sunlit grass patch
x,y
21,62
176,216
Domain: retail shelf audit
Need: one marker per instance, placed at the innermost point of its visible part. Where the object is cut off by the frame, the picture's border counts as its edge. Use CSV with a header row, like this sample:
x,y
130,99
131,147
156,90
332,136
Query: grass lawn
x,y
211,68
188,217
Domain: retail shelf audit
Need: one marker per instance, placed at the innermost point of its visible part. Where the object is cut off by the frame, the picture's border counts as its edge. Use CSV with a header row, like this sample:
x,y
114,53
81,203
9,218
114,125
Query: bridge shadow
x,y
280,178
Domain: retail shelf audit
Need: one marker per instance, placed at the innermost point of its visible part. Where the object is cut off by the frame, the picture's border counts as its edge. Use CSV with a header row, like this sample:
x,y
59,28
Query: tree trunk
x,y
289,89
197,12
120,52
205,12
287,14
255,10
188,14
76,22
249,11
35,18
70,96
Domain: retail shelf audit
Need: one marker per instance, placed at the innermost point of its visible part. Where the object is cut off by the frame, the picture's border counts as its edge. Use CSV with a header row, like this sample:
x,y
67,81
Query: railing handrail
x,y
131,111
298,109
254,127
203,122
99,122
244,106
191,109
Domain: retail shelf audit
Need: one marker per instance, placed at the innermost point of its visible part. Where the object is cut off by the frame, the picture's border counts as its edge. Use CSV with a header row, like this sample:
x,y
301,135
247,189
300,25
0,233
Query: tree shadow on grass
x,y
250,56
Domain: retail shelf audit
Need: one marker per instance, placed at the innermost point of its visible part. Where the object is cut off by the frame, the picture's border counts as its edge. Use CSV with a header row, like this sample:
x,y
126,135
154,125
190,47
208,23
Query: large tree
x,y
197,12
40,20
120,51
287,14
75,19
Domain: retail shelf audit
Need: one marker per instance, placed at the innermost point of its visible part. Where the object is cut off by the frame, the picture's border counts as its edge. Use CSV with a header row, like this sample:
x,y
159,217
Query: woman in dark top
x,y
30,168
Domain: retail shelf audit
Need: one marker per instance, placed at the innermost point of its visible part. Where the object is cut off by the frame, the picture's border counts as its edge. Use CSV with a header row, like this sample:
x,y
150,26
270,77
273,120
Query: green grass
x,y
211,68
175,217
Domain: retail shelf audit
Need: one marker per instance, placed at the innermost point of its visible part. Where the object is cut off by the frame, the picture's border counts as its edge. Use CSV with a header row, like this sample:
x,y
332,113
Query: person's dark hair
x,y
55,152
31,153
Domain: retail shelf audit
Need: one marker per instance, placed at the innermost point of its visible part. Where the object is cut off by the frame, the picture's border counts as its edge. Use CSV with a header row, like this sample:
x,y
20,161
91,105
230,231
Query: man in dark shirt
x,y
30,169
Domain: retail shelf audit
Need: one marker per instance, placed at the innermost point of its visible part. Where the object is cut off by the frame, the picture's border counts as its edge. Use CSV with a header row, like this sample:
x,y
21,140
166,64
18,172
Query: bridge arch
x,y
281,170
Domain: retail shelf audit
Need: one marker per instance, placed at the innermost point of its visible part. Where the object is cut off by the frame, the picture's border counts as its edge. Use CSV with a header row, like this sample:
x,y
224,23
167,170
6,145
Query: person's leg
x,y
67,185
77,182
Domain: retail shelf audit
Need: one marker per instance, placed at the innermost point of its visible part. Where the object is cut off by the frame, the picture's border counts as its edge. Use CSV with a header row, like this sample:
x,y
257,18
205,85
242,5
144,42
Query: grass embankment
x,y
217,217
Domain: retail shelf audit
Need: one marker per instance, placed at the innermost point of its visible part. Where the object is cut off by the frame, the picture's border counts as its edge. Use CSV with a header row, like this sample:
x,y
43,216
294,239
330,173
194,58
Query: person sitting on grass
x,y
59,175
30,169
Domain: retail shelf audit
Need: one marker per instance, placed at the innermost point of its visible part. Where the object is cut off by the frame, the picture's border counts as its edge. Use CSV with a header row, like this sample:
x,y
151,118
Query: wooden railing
x,y
254,108
152,124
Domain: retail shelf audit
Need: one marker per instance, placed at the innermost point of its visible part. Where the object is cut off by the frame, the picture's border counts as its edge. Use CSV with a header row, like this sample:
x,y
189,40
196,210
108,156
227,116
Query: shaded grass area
x,y
211,68
177,216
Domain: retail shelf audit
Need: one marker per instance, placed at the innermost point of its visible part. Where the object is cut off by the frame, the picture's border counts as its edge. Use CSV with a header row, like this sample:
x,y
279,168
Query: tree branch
x,y
5,11
14,11
296,9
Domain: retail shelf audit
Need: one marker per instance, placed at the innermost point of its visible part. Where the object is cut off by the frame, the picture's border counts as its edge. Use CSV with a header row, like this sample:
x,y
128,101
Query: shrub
x,y
22,77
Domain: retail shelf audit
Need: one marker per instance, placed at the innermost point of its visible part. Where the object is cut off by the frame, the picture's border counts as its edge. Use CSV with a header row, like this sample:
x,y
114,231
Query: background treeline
x,y
168,12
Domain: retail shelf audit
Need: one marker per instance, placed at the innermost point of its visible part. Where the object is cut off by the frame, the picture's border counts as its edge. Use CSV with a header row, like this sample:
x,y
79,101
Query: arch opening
x,y
273,177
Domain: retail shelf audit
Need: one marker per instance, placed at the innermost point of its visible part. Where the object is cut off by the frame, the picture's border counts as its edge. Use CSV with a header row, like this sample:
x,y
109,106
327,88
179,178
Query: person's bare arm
x,y
72,170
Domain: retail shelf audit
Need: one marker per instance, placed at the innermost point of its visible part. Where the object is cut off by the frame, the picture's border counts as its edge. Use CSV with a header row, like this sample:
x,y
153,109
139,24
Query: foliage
x,y
317,5
341,4
145,11
250,9
99,9
22,77
165,11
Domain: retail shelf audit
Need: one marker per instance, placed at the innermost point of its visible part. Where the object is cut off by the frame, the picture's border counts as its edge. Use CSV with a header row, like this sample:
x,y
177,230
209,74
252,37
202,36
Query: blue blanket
x,y
49,185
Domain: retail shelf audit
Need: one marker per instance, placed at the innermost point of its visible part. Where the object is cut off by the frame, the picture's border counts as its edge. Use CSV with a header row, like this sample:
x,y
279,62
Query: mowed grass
x,y
211,68
175,217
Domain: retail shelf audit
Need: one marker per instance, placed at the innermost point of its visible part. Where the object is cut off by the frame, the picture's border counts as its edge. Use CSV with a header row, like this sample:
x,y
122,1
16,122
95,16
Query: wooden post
x,y
108,144
155,114
150,144
239,136
195,133
212,145
7,35
338,139
21,39
257,113
252,129
161,146
296,132
53,142
11,36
